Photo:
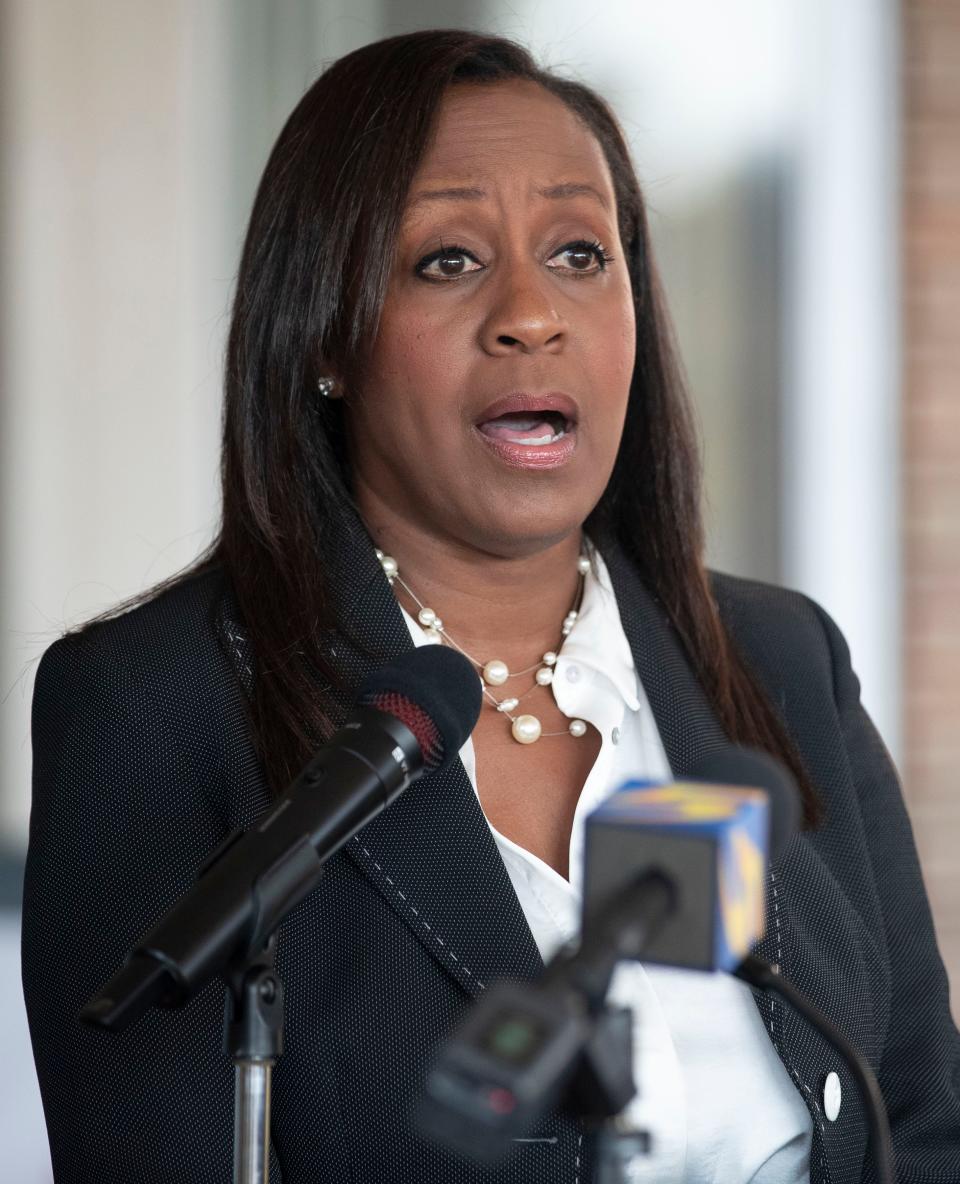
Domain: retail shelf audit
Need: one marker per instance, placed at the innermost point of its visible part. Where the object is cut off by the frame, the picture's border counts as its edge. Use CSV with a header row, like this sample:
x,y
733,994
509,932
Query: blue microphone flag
x,y
711,840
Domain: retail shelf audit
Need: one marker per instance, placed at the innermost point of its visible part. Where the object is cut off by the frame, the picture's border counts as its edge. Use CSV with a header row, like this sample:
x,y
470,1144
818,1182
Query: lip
x,y
543,456
527,401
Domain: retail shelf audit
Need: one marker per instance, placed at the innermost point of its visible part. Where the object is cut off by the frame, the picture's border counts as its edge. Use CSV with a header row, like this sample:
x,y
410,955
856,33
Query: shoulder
x,y
748,604
161,658
151,642
783,634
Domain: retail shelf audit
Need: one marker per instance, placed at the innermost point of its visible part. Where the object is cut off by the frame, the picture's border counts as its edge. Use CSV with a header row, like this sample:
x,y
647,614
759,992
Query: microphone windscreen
x,y
751,768
436,692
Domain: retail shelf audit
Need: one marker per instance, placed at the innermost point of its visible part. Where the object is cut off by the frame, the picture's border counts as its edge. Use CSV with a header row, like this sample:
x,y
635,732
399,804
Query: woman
x,y
451,394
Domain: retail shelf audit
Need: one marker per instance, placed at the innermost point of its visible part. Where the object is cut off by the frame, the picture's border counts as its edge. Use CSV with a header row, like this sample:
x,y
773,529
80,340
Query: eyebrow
x,y
563,190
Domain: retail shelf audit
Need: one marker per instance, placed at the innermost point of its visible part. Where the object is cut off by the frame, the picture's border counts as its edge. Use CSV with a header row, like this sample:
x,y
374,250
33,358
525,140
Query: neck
x,y
509,606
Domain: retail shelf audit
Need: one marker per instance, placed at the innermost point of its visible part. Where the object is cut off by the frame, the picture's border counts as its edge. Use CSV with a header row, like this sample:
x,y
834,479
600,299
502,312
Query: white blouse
x,y
712,1092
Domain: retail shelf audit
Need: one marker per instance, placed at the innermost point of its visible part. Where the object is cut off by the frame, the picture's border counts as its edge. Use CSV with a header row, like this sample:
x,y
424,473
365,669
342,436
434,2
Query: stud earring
x,y
326,386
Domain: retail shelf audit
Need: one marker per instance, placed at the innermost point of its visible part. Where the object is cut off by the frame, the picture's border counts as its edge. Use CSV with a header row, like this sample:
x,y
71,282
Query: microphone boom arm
x,y
758,974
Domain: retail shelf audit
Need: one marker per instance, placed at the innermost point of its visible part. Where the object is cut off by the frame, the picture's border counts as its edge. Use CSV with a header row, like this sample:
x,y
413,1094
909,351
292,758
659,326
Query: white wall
x,y
116,280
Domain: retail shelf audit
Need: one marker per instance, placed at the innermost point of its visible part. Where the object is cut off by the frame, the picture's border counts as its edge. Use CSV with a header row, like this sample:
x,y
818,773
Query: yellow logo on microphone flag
x,y
740,893
711,840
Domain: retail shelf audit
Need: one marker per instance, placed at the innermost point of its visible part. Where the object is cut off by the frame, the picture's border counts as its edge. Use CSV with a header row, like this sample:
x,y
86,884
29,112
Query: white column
x,y
841,408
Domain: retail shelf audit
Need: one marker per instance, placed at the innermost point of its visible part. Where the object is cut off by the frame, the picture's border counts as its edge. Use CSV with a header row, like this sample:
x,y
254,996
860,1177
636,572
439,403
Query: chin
x,y
523,528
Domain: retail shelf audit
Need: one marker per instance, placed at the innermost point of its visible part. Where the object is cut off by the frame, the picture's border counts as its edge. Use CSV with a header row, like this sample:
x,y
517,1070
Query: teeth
x,y
519,429
538,440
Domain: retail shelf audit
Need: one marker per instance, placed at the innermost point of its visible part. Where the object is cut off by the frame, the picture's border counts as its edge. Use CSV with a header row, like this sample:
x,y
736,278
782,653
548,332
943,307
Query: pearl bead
x,y
526,729
507,704
495,673
577,727
544,676
378,553
583,565
571,616
389,565
427,617
433,636
566,630
549,658
438,624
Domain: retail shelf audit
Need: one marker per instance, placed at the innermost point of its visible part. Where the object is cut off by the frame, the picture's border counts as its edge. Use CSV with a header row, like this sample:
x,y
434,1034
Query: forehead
x,y
510,134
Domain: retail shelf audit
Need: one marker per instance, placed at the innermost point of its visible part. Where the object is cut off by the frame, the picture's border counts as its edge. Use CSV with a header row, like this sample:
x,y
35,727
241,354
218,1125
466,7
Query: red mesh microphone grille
x,y
416,719
435,692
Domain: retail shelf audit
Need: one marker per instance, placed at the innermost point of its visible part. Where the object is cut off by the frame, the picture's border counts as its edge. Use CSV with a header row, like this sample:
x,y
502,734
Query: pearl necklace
x,y
525,729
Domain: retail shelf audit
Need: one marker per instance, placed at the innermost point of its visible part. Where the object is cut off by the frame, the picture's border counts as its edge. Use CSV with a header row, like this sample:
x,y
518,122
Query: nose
x,y
523,318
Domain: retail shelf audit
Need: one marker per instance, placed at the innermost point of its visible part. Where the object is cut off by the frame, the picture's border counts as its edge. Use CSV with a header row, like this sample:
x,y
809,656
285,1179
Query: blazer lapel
x,y
431,854
453,889
685,719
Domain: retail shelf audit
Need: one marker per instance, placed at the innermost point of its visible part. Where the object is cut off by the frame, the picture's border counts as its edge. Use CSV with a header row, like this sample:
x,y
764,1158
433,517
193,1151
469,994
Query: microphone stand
x,y
604,1083
253,1039
600,1091
526,1047
227,924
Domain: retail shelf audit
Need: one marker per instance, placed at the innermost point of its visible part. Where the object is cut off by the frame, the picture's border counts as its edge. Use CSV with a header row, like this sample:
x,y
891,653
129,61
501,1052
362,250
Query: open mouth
x,y
530,429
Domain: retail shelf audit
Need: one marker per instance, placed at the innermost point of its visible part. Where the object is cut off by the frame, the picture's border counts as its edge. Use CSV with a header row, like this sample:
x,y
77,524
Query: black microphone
x,y
412,716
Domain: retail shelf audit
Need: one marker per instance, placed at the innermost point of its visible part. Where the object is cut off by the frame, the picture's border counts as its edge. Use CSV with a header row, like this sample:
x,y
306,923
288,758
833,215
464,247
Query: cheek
x,y
613,353
400,353
411,393
417,362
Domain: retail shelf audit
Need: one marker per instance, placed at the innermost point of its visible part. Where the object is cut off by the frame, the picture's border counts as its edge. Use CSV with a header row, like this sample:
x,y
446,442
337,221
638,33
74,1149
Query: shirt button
x,y
573,674
831,1097
615,735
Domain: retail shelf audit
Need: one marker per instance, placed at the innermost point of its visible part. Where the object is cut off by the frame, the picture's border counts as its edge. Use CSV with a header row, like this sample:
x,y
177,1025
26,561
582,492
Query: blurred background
x,y
801,160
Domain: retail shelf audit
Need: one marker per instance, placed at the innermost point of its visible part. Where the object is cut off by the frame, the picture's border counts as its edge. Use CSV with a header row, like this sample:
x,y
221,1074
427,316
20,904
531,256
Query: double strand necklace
x,y
525,729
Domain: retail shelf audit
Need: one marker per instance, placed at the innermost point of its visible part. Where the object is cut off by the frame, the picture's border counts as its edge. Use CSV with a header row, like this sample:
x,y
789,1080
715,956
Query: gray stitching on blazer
x,y
816,1106
793,1073
425,924
776,919
768,1000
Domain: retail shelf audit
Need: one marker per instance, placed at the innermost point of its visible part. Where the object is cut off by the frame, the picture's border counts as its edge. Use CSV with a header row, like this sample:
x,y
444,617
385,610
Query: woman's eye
x,y
449,263
583,257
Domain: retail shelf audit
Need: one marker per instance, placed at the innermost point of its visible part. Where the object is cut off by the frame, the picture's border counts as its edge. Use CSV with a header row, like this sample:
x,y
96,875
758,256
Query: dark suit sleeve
x,y
122,817
920,1066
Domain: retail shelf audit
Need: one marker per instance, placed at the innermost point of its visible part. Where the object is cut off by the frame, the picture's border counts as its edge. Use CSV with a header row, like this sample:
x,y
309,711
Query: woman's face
x,y
492,408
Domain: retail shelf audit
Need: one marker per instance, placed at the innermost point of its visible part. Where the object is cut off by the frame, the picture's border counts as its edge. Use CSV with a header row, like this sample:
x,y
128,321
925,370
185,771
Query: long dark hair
x,y
312,279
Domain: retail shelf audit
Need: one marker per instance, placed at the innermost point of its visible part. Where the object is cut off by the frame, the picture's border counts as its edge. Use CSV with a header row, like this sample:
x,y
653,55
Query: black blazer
x,y
143,763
